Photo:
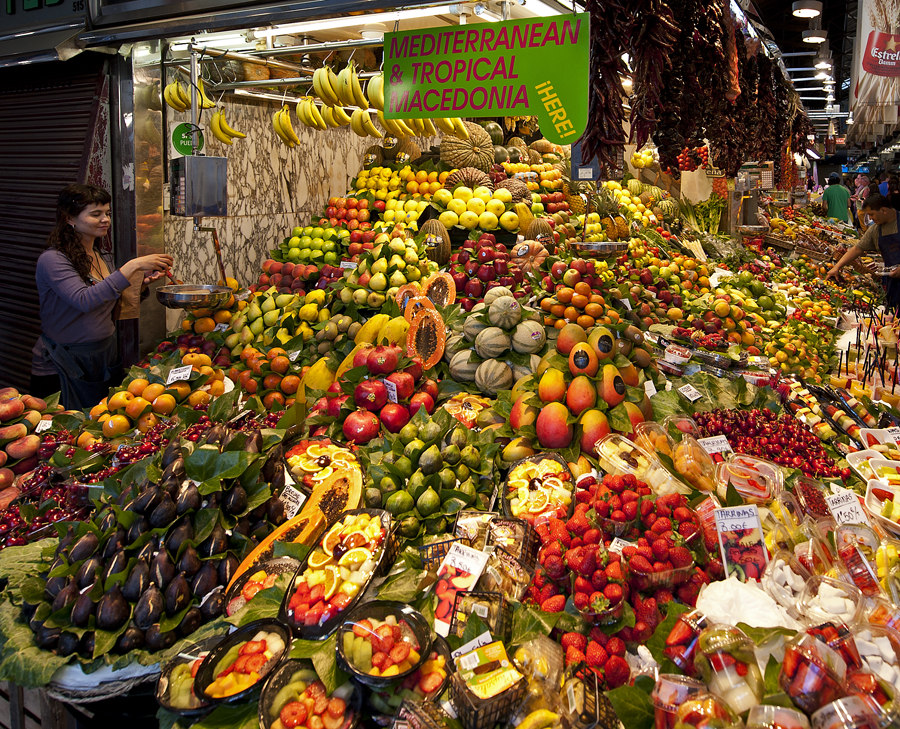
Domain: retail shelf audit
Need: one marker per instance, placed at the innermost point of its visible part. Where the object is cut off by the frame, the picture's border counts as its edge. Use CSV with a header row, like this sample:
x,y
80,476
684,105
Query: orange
x,y
290,401
164,404
597,299
198,397
412,187
85,439
290,384
547,303
136,386
153,391
247,352
98,410
583,288
594,310
187,325
137,407
433,176
196,359
564,295
275,352
579,301
274,401
119,400
613,315
571,313
204,325
199,313
558,310
222,316
208,371
585,321
115,426
234,373
247,382
559,323
147,421
271,382
257,365
280,364
216,388
433,187
421,176
179,390
442,178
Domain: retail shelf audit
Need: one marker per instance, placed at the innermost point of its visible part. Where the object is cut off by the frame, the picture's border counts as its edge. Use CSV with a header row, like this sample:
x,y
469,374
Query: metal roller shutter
x,y
47,115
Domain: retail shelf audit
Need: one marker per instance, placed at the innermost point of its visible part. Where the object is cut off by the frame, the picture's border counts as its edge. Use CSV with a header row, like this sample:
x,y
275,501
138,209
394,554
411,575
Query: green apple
x,y
297,231
294,242
294,254
331,258
347,294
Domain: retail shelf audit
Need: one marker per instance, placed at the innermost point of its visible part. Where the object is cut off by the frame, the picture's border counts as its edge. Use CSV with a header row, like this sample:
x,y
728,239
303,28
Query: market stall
x,y
468,433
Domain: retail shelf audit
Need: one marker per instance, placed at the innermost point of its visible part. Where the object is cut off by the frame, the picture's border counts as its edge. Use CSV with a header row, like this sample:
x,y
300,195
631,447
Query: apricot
x,y
12,432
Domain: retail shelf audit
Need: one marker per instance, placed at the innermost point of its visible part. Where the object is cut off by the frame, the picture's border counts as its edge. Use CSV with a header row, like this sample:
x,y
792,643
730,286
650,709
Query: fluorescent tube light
x,y
312,26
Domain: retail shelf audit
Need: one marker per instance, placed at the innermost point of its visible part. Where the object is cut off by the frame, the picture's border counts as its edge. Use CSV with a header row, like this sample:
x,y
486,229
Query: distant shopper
x,y
837,198
883,185
79,290
882,236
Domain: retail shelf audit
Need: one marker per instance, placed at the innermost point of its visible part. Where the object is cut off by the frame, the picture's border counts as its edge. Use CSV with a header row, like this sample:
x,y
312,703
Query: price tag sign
x,y
893,434
715,444
690,392
649,388
846,509
391,391
461,568
617,545
476,642
627,304
292,499
220,327
43,425
292,356
177,374
348,264
741,541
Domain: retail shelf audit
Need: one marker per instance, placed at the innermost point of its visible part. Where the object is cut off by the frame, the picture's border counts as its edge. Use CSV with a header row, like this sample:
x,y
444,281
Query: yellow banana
x,y
340,116
356,123
276,125
225,127
328,116
375,92
323,87
287,126
205,101
183,95
460,128
316,115
355,88
390,125
419,126
171,97
301,113
344,92
445,125
428,128
368,126
404,127
216,129
334,83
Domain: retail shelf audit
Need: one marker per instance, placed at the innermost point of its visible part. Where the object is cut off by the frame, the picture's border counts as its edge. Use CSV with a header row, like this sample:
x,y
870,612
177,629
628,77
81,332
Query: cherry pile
x,y
152,441
698,336
778,438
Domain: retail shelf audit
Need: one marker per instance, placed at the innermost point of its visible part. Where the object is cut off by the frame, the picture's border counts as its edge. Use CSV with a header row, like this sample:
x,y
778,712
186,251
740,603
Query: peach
x,y
8,393
522,413
7,477
553,430
33,417
3,458
12,432
552,387
24,447
594,426
25,465
11,409
35,403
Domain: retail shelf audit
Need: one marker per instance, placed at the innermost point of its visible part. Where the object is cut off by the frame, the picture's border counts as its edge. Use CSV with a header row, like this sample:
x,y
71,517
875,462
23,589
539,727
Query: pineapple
x,y
605,205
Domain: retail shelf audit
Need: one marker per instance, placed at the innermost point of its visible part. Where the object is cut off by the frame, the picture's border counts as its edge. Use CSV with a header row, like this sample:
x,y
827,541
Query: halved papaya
x,y
440,289
405,293
426,337
415,305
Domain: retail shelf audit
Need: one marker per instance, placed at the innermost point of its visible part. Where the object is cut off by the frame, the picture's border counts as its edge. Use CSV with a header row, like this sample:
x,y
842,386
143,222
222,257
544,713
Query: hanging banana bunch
x,y
375,92
361,124
221,130
308,113
348,89
176,96
281,123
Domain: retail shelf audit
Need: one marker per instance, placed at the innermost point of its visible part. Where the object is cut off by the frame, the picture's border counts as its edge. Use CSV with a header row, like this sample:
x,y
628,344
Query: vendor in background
x,y
882,236
79,294
837,199
860,190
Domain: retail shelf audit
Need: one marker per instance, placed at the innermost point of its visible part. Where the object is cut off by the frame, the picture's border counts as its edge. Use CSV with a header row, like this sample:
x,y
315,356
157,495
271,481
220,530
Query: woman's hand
x,y
155,262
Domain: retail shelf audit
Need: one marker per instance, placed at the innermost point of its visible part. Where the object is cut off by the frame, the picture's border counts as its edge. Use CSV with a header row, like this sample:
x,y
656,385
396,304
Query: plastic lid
x,y
695,464
754,486
618,456
816,651
672,690
876,490
776,717
685,423
850,712
652,437
827,598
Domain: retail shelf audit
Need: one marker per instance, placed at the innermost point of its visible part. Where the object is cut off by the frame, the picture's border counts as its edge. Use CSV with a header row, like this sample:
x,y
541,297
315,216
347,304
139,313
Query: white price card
x,y
476,642
292,356
43,425
893,434
715,444
649,388
348,264
690,392
617,545
741,541
459,571
292,499
177,374
846,509
391,391
220,327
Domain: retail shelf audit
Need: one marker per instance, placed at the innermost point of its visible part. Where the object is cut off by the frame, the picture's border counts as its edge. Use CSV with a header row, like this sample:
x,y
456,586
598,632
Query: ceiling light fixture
x,y
806,9
353,20
815,34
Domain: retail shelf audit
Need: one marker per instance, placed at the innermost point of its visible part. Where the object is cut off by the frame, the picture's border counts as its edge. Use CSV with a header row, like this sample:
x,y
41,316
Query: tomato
x,y
293,714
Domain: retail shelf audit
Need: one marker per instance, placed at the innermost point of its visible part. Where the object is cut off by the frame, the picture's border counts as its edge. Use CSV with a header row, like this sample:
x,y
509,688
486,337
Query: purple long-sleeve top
x,y
72,312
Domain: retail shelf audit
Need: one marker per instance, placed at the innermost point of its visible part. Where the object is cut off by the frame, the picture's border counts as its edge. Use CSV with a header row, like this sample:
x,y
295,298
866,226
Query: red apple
x,y
363,215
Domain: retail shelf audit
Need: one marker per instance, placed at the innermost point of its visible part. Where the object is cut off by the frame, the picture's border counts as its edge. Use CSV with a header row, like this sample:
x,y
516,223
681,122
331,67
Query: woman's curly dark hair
x,y
72,200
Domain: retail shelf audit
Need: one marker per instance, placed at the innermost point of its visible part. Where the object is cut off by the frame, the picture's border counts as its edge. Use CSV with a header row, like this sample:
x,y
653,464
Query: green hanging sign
x,y
531,67
182,137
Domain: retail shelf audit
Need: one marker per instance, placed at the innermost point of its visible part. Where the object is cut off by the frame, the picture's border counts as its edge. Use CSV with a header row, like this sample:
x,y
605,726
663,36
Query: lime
x,y
373,499
398,503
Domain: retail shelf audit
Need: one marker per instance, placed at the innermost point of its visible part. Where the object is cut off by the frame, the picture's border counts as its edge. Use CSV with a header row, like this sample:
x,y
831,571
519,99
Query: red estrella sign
x,y
882,56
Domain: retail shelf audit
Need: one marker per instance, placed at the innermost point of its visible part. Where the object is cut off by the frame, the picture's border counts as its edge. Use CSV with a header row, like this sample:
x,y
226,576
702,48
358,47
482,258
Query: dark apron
x,y
889,245
86,371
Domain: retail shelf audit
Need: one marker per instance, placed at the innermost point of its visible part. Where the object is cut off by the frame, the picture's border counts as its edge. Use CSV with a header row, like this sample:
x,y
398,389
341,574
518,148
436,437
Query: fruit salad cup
x,y
775,717
294,697
175,687
538,488
681,643
884,614
857,546
784,579
878,693
825,598
851,712
812,674
837,636
260,577
426,683
727,663
706,711
313,461
670,692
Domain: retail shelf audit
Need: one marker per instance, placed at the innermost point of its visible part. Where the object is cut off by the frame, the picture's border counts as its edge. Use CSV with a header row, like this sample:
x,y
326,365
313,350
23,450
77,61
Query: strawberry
x,y
614,572
790,663
615,483
681,634
630,510
554,548
687,529
583,585
721,661
649,520
578,524
640,564
682,514
662,524
647,611
598,636
613,593
630,481
547,591
645,551
616,672
554,604
660,549
646,507
574,656
576,542
641,632
579,640
882,494
596,654
687,593
601,508
615,502
599,579
592,536
581,600
629,551
555,567
583,497
680,557
618,515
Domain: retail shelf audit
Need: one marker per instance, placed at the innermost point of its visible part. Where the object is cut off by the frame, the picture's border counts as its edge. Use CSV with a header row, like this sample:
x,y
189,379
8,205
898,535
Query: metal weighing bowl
x,y
601,250
193,296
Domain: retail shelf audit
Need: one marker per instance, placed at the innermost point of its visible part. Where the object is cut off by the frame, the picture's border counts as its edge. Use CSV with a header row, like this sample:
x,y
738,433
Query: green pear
x,y
233,339
378,282
353,279
238,322
376,251
380,266
392,291
253,312
257,325
397,279
362,267
236,350
411,257
375,299
347,294
283,300
246,335
396,262
360,296
270,318
412,273
268,305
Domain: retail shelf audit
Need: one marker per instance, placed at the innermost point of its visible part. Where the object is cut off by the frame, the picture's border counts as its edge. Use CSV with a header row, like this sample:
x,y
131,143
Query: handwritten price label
x,y
292,500
690,392
894,434
737,518
846,509
220,327
177,374
617,545
391,390
715,444
43,425
649,388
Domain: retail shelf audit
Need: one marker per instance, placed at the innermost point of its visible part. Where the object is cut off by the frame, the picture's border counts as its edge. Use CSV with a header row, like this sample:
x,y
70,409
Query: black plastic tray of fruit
x,y
526,552
597,710
500,626
504,494
433,554
386,559
414,715
475,713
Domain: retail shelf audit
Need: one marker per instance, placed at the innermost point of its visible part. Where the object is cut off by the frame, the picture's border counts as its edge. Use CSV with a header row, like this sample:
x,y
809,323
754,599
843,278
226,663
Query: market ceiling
x,y
838,19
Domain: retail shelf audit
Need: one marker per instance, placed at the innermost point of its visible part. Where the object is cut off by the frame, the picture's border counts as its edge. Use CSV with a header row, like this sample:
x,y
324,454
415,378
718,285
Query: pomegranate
x,y
361,426
370,394
405,384
394,416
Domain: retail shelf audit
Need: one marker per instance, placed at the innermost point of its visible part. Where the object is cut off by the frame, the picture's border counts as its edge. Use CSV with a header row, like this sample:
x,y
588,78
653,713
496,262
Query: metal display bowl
x,y
193,296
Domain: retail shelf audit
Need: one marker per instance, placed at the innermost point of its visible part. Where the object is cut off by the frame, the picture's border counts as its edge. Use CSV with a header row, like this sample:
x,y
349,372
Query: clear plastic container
x,y
879,650
784,579
878,693
878,494
706,711
754,485
884,614
670,692
618,456
837,636
694,464
652,437
886,470
681,643
780,521
776,717
811,495
683,423
811,673
727,662
851,712
812,552
825,598
856,548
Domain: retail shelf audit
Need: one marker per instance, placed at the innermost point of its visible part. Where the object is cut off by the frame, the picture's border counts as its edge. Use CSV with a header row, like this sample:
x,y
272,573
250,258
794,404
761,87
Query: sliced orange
x,y
353,558
331,540
332,581
318,559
